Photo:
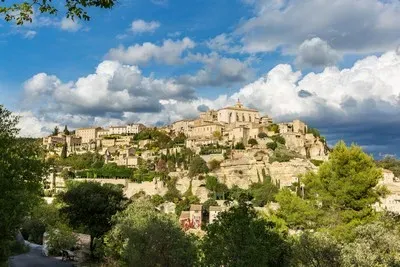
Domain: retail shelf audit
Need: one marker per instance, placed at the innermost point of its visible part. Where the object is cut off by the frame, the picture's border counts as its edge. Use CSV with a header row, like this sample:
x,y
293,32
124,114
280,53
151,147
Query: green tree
x,y
263,193
239,146
278,139
64,151
142,236
90,206
21,175
272,145
66,131
211,184
390,163
217,135
273,128
252,142
23,12
214,164
239,238
262,135
197,166
56,131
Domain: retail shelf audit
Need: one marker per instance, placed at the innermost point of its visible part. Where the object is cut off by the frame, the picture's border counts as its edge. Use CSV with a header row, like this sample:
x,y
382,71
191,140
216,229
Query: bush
x,y
283,155
239,146
262,135
157,200
214,164
61,238
273,128
316,162
252,142
272,145
279,139
197,166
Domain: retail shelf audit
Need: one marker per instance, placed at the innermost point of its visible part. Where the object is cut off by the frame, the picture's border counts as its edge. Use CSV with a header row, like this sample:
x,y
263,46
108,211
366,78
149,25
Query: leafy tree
x,y
21,172
252,142
272,145
263,193
211,184
217,135
197,166
390,163
90,205
157,200
144,237
262,135
278,139
273,128
23,12
56,131
239,238
61,238
66,131
239,146
345,185
214,164
316,249
314,131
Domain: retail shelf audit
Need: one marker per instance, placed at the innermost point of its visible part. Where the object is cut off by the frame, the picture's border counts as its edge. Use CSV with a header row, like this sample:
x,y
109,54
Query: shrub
x,y
252,142
273,128
197,166
60,238
262,135
283,155
279,139
239,146
316,162
157,200
214,164
272,145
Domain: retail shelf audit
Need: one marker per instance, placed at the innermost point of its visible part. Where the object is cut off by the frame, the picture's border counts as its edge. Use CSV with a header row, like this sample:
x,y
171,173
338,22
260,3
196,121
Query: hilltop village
x,y
189,166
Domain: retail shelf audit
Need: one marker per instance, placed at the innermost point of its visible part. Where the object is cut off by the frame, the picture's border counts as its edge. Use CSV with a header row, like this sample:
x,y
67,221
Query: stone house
x,y
238,113
182,126
87,134
206,129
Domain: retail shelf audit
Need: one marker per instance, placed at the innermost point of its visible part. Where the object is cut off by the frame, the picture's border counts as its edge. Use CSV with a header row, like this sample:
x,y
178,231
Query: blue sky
x,y
156,61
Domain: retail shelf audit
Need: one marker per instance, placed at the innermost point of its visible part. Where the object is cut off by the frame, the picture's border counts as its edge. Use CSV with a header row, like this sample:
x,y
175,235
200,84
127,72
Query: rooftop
x,y
196,207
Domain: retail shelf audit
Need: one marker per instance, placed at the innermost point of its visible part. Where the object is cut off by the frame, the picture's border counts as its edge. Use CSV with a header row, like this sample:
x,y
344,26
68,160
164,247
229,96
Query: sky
x,y
333,64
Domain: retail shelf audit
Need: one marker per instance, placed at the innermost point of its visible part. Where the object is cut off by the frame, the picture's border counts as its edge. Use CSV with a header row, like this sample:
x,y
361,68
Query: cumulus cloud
x,y
70,25
113,88
141,26
169,52
224,43
217,71
373,27
316,53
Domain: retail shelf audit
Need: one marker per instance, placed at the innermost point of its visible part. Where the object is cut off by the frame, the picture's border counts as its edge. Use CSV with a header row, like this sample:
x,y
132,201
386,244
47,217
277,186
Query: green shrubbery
x,y
316,162
240,146
252,142
273,128
262,135
278,139
282,154
272,145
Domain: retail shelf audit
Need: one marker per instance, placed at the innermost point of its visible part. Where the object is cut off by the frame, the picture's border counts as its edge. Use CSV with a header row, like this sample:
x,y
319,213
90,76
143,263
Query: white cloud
x,y
141,26
349,26
30,34
217,71
316,53
224,43
113,88
70,25
169,52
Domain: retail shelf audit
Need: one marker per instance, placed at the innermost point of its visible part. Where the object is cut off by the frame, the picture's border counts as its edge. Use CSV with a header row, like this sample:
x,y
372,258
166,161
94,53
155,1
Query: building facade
x,y
87,134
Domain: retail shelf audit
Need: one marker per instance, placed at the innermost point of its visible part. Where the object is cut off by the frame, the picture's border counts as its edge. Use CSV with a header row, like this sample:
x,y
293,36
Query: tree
x,y
390,163
263,193
56,131
21,175
239,238
214,164
217,135
66,131
262,135
273,128
142,236
278,139
239,146
64,151
211,184
23,12
272,145
197,166
252,142
90,206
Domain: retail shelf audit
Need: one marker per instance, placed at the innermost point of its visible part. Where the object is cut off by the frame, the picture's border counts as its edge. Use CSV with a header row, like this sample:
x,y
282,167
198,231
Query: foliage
x,y
67,174
272,145
281,154
184,204
209,202
298,213
217,135
42,218
90,205
273,128
66,131
180,139
161,166
173,194
159,138
314,131
144,237
197,166
61,238
83,161
64,151
316,249
21,172
316,162
239,238
110,170
375,245
210,149
278,139
252,142
239,146
211,184
56,131
262,135
390,163
214,164
23,12
157,200
263,193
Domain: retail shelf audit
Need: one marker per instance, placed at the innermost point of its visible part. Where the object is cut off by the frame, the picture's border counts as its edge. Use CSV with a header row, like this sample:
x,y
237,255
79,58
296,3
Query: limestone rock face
x,y
287,172
306,145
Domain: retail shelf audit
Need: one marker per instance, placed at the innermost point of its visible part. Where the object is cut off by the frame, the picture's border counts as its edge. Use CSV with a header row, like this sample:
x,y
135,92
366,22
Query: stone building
x,y
52,141
210,115
196,215
117,130
238,113
182,126
87,134
134,128
206,130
